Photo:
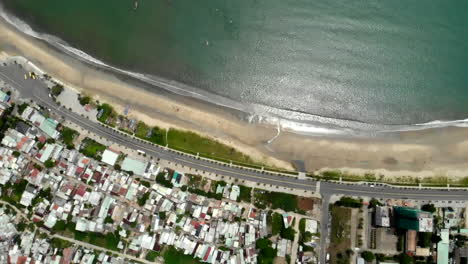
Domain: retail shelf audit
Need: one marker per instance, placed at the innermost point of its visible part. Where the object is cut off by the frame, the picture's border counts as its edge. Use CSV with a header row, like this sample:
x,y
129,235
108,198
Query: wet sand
x,y
434,152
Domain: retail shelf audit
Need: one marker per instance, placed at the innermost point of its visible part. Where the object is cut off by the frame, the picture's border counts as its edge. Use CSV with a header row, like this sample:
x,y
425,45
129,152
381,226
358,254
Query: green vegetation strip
x,y
92,149
184,141
276,200
173,256
438,181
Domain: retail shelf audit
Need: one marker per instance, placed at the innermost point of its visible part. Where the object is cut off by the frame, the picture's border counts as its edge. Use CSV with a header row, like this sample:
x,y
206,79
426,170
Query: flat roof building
x,y
381,216
443,247
110,157
136,166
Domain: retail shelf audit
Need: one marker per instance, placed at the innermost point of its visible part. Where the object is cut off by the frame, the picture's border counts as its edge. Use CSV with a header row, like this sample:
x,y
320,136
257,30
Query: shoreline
x,y
441,151
302,123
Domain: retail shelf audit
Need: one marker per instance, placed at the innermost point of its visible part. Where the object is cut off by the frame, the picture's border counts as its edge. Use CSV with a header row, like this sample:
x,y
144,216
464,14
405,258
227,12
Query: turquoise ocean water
x,y
339,63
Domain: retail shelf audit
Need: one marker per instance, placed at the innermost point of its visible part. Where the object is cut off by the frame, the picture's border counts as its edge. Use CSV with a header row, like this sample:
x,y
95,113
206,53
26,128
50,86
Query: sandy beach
x,y
426,153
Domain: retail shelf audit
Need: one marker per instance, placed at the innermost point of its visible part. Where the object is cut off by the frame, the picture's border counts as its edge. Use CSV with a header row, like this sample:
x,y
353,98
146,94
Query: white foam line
x,y
267,115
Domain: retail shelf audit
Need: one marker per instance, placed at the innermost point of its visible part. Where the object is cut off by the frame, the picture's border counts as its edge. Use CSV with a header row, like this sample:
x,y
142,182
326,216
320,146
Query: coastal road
x,y
37,91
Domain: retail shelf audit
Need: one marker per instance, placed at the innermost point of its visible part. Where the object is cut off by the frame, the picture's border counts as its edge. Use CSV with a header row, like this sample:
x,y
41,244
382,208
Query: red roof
x,y
122,191
21,260
207,254
253,213
67,256
42,139
21,143
97,176
79,170
81,190
34,173
195,224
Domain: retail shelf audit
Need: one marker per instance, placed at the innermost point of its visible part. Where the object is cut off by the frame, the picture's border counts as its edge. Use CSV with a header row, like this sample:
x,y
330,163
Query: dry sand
x,y
435,152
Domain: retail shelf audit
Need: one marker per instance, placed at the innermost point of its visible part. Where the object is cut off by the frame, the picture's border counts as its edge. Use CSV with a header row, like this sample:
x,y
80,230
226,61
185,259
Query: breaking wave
x,y
298,122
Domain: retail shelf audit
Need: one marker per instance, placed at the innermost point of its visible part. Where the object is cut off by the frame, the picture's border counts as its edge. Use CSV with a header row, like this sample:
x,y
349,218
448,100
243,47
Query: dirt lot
x,y
306,204
340,240
386,240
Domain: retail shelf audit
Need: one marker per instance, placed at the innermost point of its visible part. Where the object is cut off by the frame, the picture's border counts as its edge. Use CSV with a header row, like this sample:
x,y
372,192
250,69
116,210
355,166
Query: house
x,y
311,226
235,191
381,216
46,125
287,220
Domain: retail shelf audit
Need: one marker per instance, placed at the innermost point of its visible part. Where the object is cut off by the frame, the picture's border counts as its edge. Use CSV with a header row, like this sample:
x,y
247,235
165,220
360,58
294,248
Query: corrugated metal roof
x,y
136,166
49,127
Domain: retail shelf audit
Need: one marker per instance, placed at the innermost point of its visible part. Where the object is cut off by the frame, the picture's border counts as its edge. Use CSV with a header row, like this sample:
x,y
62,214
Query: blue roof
x,y
4,97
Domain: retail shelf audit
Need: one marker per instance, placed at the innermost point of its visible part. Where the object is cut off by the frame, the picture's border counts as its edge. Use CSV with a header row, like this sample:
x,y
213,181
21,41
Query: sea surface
x,y
335,66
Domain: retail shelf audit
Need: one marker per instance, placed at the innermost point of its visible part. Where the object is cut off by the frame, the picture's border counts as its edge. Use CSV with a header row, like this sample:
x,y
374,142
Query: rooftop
x,y
136,166
110,157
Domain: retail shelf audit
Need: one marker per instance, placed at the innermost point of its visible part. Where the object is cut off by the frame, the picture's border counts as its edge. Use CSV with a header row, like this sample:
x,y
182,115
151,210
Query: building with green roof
x,y
4,97
49,126
413,219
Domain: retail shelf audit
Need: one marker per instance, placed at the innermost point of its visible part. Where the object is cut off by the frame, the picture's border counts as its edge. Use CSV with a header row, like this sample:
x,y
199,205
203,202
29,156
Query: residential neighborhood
x,y
58,187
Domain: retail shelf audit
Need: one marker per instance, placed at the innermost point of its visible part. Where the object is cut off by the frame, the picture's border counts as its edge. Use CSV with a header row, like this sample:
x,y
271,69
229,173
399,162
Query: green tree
x,y
349,202
368,256
429,208
288,233
56,90
22,107
142,200
162,215
425,239
276,223
374,202
84,100
405,259
61,225
108,220
49,163
152,255
266,253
